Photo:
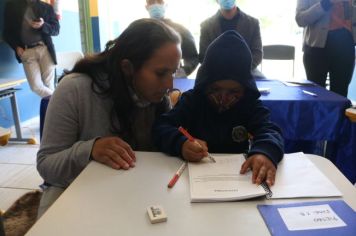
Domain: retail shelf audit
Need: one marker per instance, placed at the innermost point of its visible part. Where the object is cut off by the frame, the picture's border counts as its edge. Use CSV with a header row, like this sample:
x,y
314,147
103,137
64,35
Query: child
x,y
223,113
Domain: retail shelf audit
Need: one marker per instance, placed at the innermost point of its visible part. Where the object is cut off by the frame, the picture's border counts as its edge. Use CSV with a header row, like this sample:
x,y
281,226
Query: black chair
x,y
66,62
279,52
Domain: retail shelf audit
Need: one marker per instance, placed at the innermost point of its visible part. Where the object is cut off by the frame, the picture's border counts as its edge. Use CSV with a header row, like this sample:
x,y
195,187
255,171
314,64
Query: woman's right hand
x,y
194,150
19,51
113,152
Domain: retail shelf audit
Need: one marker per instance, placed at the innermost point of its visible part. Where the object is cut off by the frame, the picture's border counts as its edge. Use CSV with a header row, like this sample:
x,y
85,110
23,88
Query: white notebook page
x,y
297,177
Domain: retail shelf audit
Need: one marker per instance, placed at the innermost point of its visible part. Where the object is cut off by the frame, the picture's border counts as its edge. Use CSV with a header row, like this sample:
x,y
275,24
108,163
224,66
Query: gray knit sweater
x,y
75,118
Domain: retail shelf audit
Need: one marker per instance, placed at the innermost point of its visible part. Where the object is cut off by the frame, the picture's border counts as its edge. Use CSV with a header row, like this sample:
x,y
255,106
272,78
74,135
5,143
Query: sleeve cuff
x,y
273,153
84,152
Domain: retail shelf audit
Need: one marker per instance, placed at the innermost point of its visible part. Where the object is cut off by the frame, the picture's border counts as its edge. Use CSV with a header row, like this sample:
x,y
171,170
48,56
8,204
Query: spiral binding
x,y
269,192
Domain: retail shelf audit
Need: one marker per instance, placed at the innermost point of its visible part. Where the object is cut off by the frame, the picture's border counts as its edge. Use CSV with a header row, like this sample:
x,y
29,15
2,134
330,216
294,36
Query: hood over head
x,y
228,57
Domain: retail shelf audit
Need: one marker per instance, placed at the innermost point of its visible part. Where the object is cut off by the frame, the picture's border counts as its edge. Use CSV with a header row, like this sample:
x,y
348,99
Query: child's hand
x,y
194,151
262,169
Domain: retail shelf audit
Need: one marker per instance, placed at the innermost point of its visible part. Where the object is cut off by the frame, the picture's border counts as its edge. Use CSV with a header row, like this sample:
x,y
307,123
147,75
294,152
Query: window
x,y
276,18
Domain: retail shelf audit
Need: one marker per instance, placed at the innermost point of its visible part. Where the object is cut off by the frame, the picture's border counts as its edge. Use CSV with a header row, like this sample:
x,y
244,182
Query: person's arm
x,y
256,46
51,24
267,137
307,14
62,156
189,52
165,132
204,41
74,134
266,146
9,28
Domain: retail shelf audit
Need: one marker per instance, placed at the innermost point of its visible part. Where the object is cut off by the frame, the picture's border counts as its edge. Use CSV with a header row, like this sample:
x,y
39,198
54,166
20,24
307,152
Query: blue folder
x,y
276,225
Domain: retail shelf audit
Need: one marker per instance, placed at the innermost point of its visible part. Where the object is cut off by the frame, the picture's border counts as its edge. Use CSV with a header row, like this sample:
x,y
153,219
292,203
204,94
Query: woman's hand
x,y
36,24
19,51
262,169
194,150
113,152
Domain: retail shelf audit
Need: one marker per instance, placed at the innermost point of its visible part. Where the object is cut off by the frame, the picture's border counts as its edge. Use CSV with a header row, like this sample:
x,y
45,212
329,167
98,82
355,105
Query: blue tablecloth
x,y
308,121
302,116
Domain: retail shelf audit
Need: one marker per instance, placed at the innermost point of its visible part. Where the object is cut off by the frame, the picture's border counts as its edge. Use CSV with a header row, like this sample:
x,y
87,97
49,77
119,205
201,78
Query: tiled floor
x,y
18,173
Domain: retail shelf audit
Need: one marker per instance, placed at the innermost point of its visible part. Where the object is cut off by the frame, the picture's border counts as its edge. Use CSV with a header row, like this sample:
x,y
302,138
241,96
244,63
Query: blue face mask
x,y
157,11
227,4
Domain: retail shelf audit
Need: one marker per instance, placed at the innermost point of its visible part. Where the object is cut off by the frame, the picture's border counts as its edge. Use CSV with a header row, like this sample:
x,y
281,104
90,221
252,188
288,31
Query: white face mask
x,y
226,4
157,11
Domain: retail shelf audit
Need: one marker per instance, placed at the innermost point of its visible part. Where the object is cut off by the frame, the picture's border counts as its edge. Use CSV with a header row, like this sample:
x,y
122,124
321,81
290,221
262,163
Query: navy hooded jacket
x,y
227,58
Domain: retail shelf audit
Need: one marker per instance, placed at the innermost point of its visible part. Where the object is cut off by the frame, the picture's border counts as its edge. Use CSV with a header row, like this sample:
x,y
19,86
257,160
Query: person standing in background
x,y
57,8
156,10
230,17
329,41
28,27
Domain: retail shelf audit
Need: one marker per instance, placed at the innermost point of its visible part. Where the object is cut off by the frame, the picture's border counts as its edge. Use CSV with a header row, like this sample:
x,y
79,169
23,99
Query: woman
x,y
103,110
329,41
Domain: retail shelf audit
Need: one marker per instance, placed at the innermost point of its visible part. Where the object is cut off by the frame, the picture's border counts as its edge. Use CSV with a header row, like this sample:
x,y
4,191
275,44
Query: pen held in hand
x,y
190,138
177,175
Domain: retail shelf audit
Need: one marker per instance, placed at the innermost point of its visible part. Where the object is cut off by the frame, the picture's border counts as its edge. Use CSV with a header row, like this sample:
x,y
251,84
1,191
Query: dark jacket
x,y
228,57
189,50
247,26
14,13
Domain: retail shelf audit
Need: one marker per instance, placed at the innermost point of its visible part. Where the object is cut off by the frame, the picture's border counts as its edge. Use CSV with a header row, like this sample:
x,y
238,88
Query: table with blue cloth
x,y
308,119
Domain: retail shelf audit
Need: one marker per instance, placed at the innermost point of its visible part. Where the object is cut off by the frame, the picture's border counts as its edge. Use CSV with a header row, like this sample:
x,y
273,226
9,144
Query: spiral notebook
x,y
296,177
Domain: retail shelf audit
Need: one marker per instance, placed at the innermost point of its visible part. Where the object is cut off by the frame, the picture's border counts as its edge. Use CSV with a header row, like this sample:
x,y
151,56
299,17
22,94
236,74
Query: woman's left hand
x,y
262,169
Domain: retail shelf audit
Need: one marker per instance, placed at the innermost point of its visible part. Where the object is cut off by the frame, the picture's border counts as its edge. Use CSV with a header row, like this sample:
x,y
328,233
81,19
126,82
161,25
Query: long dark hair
x,y
137,43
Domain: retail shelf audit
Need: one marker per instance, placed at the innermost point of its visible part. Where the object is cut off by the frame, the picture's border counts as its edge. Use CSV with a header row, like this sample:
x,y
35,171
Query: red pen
x,y
186,134
190,138
176,175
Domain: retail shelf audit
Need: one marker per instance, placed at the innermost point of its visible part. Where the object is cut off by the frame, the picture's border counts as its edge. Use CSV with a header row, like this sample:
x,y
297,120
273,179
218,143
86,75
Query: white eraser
x,y
156,214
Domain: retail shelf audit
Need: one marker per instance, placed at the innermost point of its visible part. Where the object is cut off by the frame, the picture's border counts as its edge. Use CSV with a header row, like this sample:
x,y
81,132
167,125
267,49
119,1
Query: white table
x,y
103,201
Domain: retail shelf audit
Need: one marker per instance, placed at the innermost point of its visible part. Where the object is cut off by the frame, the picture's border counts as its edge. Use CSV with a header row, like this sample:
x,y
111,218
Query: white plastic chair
x,y
66,61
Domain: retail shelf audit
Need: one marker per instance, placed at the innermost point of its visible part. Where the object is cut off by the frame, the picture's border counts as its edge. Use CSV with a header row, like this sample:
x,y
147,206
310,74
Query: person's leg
x,y
33,73
342,56
49,196
316,65
47,67
2,230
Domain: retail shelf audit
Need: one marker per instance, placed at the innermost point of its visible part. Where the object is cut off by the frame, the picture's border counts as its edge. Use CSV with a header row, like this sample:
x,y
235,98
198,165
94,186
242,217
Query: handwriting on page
x,y
310,217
